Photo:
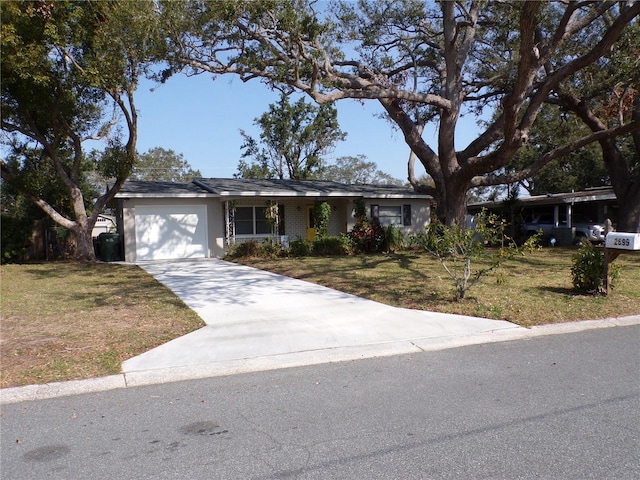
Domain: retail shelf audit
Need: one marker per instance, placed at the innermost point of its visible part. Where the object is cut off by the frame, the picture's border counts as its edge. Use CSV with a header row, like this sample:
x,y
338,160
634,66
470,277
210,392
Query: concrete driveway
x,y
256,320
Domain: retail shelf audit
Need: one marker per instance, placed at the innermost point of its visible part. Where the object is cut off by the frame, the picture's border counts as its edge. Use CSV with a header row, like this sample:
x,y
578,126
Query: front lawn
x,y
530,290
64,321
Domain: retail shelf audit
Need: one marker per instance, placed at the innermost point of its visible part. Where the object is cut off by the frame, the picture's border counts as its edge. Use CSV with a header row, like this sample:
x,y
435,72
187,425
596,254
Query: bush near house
x,y
331,246
300,248
367,235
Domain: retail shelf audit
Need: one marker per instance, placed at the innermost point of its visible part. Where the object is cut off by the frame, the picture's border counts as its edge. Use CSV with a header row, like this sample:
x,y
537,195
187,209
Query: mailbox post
x,y
615,244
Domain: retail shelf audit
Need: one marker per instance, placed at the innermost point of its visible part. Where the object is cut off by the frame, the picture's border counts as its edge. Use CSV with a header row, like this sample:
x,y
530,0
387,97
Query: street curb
x,y
298,359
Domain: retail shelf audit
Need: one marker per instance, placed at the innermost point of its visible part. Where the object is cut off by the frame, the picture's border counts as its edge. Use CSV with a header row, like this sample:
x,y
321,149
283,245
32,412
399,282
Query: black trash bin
x,y
109,247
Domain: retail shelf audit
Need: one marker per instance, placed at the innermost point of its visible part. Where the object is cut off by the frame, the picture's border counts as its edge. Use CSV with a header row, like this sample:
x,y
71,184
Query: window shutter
x,y
281,229
406,215
375,212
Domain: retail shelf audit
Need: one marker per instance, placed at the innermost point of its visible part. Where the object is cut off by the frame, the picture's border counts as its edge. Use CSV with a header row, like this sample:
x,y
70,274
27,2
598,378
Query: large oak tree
x,y
424,62
602,96
69,72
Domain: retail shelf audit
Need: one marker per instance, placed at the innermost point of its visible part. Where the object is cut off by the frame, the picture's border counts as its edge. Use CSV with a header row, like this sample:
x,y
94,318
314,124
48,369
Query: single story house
x,y
165,220
565,210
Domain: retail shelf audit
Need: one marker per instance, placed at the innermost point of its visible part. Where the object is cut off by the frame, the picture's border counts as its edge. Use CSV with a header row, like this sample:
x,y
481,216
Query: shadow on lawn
x,y
570,292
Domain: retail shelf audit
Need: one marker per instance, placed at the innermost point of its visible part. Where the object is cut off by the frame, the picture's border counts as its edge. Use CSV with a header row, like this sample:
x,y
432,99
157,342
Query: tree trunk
x,y
625,185
84,245
629,211
451,208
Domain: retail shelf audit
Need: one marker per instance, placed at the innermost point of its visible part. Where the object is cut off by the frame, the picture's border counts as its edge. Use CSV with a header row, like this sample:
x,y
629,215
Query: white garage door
x,y
165,232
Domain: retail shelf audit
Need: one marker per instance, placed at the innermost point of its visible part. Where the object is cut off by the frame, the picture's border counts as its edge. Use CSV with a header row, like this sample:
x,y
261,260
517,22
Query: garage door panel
x,y
171,232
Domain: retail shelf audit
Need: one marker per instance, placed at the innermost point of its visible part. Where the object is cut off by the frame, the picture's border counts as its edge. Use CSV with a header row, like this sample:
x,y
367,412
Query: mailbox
x,y
623,241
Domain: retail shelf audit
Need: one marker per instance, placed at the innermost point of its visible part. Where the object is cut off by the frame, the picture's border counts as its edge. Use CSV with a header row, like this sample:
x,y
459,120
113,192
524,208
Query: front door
x,y
311,229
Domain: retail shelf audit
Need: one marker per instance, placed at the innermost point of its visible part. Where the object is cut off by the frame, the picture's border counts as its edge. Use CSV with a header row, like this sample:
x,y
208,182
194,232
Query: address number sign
x,y
623,241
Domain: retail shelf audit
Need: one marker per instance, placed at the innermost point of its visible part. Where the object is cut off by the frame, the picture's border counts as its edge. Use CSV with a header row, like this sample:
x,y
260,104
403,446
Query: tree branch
x,y
9,177
484,181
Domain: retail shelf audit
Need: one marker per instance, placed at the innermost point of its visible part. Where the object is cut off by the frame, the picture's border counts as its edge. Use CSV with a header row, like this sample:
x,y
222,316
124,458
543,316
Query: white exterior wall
x,y
420,212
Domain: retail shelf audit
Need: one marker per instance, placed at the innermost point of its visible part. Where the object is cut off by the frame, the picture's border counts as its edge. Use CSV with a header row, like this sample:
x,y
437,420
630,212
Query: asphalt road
x,y
557,407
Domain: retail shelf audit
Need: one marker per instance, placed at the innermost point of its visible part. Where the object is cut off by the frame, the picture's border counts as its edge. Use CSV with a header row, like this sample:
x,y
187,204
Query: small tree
x,y
293,140
457,246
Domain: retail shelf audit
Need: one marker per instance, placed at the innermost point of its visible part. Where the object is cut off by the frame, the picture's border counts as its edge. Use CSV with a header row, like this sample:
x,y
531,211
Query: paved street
x,y
552,407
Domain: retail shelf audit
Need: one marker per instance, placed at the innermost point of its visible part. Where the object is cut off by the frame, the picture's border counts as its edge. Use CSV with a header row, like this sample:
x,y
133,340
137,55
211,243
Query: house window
x,y
251,221
392,215
406,215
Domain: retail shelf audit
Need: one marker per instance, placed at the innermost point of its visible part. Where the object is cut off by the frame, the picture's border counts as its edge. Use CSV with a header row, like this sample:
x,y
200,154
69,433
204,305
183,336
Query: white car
x,y
585,227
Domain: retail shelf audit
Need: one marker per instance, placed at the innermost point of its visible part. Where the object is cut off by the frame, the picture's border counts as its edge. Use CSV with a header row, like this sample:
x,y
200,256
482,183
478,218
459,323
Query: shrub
x,y
331,246
366,236
16,234
587,270
321,214
249,248
300,248
269,249
394,239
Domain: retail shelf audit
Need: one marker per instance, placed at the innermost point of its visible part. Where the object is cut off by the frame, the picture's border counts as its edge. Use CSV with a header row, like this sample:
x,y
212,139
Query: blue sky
x,y
201,119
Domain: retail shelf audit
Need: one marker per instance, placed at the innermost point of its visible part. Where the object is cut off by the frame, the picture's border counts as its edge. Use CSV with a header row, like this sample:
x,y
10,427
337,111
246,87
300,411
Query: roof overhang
x,y
126,195
232,194
596,195
215,188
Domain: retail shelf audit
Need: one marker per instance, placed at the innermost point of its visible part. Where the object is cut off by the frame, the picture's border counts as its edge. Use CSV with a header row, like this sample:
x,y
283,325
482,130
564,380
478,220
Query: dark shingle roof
x,y
239,187
150,189
294,188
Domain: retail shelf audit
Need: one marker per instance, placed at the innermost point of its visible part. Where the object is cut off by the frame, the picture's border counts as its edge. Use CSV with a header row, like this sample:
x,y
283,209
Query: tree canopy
x,y
294,137
69,72
357,170
424,62
574,172
603,95
159,164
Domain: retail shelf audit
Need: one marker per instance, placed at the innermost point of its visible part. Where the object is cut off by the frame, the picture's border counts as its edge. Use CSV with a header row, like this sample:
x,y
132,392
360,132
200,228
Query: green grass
x,y
531,290
64,321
